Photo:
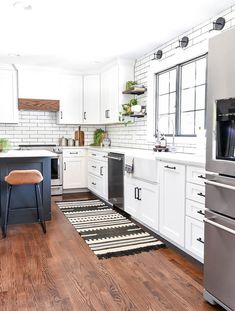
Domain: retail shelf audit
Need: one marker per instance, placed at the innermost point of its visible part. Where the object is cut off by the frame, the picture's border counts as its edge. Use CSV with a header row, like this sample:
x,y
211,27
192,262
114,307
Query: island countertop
x,y
27,154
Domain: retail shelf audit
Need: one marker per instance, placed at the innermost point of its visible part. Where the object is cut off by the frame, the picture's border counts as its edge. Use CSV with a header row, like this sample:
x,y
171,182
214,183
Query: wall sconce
x,y
183,43
157,55
218,24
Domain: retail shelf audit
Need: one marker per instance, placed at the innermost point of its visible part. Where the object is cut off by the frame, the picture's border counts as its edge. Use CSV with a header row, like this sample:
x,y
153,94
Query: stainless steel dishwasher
x,y
116,179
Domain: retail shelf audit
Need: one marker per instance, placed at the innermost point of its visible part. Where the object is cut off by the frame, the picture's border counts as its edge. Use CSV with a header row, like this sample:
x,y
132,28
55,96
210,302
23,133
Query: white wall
x,y
135,135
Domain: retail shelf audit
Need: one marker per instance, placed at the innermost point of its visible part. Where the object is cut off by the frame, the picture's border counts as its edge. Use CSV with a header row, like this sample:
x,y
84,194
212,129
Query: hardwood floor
x,y
58,271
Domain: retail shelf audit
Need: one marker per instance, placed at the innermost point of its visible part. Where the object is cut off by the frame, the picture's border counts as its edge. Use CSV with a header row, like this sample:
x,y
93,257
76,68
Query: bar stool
x,y
24,177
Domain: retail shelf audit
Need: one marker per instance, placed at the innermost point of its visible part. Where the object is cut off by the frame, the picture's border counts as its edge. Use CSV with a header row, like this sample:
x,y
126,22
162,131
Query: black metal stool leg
x,y
4,230
40,208
36,196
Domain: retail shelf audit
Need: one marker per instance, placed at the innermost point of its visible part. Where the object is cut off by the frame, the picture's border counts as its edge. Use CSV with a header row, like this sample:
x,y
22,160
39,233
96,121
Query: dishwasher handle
x,y
114,158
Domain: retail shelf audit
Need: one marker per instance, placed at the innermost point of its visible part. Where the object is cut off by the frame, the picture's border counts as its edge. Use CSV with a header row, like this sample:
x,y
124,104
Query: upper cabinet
x,y
91,99
37,83
8,96
113,81
71,96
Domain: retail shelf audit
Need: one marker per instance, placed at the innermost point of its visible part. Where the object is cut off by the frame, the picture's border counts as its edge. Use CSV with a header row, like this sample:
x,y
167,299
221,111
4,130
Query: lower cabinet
x,y
74,171
172,201
141,201
98,174
194,237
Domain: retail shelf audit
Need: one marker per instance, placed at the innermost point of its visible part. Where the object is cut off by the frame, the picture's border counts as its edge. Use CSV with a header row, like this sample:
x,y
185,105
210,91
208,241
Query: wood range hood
x,y
38,104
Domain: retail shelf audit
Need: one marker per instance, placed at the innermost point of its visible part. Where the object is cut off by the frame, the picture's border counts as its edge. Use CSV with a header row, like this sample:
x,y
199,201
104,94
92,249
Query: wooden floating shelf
x,y
39,104
135,92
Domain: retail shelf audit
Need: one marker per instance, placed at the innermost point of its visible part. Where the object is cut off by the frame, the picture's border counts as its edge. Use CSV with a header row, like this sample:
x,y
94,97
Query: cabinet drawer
x,y
74,152
195,192
194,238
94,167
98,155
196,175
195,210
95,184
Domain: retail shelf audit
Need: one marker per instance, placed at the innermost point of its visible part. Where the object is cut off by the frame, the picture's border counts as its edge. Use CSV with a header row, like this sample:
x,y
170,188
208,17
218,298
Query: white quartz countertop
x,y
184,158
27,154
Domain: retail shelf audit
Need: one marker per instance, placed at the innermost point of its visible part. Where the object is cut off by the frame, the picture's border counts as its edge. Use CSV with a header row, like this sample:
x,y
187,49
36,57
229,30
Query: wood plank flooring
x,y
58,271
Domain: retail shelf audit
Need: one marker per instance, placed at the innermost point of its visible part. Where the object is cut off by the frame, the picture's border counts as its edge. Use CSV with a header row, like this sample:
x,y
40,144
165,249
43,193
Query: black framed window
x,y
181,98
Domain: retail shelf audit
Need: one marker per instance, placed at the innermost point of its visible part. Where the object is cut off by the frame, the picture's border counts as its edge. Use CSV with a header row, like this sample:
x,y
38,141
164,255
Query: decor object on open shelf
x,y
4,144
136,89
99,135
130,85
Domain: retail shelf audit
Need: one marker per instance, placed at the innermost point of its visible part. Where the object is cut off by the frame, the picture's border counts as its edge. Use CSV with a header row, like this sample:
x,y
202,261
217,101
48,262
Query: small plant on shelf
x,y
130,85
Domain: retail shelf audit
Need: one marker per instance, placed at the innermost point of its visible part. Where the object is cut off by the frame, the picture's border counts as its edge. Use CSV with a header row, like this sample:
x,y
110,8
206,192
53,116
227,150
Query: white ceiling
x,y
82,35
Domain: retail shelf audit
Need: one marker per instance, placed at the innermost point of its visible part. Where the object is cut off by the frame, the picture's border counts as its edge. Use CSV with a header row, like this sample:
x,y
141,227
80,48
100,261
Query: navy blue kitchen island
x,y
23,201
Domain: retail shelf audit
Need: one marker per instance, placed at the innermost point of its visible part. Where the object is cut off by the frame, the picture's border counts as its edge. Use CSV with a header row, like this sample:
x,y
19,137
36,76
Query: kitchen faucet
x,y
158,133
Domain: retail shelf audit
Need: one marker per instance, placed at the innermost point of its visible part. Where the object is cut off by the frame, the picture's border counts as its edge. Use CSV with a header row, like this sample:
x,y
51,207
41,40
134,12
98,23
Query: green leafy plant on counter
x,y
4,144
130,85
98,137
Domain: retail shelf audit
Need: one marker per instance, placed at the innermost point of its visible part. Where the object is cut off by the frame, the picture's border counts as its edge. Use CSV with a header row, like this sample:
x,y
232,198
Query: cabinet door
x,y
194,237
131,203
38,84
172,201
109,95
70,88
149,200
91,100
8,96
74,173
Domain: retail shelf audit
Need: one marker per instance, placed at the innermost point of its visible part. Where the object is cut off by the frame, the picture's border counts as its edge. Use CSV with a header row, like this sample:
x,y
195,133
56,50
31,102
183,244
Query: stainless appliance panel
x,y
220,195
219,266
116,179
221,75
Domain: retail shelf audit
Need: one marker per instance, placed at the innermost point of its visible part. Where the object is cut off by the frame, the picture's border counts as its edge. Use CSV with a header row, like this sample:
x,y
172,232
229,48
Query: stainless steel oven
x,y
56,166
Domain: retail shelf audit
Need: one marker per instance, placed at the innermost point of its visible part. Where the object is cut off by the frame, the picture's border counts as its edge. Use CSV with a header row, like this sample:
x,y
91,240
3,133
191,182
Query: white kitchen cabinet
x,y
8,96
71,97
113,81
194,237
141,201
98,173
91,99
172,201
36,83
74,169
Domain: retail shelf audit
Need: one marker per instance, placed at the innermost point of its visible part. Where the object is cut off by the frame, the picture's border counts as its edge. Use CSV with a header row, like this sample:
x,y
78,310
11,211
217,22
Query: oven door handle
x,y
215,224
218,184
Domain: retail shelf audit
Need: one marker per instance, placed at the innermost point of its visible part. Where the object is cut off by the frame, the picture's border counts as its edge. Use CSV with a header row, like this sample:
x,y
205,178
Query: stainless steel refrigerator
x,y
219,261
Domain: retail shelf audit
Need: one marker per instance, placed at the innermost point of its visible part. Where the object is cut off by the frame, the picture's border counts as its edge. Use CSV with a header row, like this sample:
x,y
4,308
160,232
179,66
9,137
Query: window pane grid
x,y
181,96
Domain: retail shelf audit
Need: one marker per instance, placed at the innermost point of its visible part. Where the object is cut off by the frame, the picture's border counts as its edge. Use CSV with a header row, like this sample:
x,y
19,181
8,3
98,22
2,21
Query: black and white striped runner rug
x,y
107,232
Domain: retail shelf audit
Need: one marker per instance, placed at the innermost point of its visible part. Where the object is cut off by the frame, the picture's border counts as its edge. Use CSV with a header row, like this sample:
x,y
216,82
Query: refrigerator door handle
x,y
218,184
215,224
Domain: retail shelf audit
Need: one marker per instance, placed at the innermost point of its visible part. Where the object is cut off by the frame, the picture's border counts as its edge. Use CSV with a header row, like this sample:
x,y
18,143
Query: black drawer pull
x,y
93,154
93,166
93,183
201,194
201,176
200,240
201,212
170,167
139,189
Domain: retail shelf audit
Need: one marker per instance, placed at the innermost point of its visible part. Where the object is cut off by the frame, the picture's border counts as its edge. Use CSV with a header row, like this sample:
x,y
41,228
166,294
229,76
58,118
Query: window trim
x,y
178,68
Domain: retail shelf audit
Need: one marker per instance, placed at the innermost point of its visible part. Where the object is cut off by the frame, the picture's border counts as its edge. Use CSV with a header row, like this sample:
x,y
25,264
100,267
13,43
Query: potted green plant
x,y
99,135
4,144
130,85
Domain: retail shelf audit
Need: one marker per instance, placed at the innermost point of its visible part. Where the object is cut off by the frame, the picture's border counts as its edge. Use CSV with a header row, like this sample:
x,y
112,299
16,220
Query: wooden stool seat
x,y
24,177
